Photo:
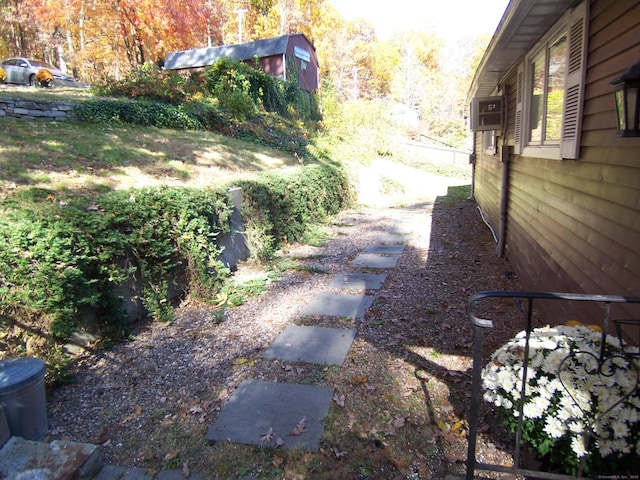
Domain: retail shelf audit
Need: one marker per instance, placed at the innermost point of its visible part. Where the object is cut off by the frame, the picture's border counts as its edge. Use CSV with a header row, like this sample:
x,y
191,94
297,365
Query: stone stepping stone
x,y
323,346
370,260
384,249
258,408
358,281
389,238
338,305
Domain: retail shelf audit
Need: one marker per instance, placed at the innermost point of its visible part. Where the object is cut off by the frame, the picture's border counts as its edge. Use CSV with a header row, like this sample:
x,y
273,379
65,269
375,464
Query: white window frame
x,y
489,142
574,25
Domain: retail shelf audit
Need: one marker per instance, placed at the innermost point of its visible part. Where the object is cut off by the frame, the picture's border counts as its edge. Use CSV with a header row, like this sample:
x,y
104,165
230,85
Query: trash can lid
x,y
18,372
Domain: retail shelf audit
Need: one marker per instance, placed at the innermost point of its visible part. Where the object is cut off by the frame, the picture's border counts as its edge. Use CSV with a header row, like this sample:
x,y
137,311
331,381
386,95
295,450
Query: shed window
x,y
549,91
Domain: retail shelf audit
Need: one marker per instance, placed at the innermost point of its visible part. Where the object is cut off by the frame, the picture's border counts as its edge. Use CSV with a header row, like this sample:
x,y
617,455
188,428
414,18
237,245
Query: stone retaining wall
x,y
36,109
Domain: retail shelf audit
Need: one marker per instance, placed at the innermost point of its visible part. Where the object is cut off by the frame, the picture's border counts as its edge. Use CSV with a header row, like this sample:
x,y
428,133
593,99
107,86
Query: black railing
x,y
480,325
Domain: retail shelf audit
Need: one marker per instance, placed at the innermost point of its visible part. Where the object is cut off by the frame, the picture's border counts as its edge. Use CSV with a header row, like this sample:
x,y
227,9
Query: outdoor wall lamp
x,y
627,96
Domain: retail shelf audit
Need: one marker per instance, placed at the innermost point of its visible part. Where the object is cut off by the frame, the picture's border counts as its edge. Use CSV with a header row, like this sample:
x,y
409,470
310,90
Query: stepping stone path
x,y
292,415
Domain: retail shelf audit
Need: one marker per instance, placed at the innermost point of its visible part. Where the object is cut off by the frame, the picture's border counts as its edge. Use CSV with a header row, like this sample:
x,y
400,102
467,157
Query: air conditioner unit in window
x,y
486,113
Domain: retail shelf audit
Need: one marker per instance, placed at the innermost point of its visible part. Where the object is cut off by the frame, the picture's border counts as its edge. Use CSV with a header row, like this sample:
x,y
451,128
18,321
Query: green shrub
x,y
152,83
279,207
244,91
145,113
62,266
237,87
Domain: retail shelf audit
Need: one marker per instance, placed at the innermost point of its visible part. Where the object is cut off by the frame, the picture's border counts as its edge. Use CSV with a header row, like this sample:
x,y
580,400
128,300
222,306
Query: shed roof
x,y
202,57
524,22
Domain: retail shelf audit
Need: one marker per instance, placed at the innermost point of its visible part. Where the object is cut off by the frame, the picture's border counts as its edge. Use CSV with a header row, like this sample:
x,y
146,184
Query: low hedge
x,y
63,264
266,129
279,206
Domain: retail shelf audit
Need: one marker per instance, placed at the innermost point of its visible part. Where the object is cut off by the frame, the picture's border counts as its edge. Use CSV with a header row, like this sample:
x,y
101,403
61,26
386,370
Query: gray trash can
x,y
22,396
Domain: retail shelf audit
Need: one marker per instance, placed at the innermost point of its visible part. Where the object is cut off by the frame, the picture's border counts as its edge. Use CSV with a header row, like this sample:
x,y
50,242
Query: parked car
x,y
23,72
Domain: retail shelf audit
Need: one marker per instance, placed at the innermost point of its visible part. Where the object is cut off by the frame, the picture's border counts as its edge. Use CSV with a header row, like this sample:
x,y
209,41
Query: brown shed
x,y
277,56
556,184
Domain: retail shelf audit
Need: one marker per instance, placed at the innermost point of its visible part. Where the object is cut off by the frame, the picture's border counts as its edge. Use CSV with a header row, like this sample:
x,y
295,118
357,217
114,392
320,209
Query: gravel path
x,y
402,396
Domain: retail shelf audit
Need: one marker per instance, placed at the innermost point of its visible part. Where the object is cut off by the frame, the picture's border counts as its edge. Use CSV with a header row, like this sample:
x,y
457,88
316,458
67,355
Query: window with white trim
x,y
489,143
549,92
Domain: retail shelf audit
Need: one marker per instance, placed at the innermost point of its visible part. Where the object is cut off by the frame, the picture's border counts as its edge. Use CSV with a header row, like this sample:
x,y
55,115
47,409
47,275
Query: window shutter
x,y
576,68
517,135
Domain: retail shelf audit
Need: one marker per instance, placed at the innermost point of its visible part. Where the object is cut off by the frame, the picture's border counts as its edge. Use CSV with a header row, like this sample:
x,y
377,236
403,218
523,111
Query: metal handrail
x,y
480,325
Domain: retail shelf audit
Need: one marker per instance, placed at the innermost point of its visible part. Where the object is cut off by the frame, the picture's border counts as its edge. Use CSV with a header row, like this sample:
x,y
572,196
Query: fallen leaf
x,y
185,470
138,409
103,436
267,437
195,410
240,361
458,428
339,399
359,379
171,455
300,427
399,423
223,395
446,409
279,442
277,461
338,453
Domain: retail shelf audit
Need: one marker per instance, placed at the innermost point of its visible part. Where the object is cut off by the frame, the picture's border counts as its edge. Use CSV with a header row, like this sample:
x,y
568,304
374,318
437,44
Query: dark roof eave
x,y
523,24
201,57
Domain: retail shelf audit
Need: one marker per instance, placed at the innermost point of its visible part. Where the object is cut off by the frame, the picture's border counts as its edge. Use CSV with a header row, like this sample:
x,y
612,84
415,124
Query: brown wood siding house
x,y
286,56
563,200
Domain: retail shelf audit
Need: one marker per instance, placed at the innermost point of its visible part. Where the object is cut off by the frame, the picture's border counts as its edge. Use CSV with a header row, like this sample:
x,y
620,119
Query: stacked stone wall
x,y
36,109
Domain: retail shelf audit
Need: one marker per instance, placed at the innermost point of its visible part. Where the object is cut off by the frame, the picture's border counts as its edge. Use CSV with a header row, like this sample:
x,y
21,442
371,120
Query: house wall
x,y
273,65
307,76
574,225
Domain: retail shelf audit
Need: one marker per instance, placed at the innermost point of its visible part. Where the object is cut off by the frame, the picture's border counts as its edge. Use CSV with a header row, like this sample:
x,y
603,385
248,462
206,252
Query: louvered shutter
x,y
519,124
574,93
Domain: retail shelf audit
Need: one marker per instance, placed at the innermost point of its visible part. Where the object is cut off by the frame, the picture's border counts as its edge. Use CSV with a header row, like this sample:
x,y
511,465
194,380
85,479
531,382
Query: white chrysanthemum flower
x,y
545,393
620,429
489,396
506,403
567,389
578,446
628,414
554,427
532,410
620,445
605,447
553,360
565,413
576,426
555,385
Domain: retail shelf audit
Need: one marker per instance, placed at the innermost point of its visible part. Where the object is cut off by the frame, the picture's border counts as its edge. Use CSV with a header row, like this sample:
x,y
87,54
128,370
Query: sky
x,y
452,19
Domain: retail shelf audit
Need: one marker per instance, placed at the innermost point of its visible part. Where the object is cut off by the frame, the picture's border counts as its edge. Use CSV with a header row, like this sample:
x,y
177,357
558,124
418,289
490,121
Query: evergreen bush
x,y
279,207
62,265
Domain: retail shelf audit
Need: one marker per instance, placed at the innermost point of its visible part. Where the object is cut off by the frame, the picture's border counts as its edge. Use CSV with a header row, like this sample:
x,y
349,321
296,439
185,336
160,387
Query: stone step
x,y
273,415
319,345
339,305
60,460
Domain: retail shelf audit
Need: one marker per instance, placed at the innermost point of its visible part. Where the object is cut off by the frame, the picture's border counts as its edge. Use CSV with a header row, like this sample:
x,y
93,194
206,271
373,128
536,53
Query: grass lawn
x,y
84,158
